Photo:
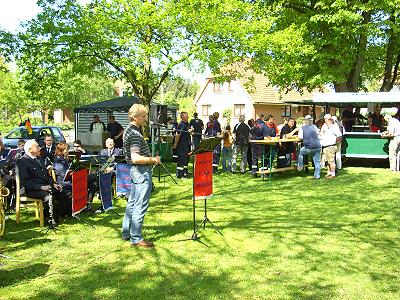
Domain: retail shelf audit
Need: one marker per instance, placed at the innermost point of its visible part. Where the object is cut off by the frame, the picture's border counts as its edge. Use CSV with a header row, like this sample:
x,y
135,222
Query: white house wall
x,y
225,98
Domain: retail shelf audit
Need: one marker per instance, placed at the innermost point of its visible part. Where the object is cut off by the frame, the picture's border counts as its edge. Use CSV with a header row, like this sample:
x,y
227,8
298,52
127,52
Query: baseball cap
x,y
308,117
327,116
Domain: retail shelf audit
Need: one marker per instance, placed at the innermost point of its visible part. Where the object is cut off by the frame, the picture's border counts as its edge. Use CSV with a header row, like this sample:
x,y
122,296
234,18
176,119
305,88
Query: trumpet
x,y
4,191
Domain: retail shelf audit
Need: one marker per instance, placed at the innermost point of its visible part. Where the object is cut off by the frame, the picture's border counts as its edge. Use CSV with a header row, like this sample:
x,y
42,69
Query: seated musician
x,y
35,178
79,148
3,151
6,178
20,149
110,149
47,151
62,165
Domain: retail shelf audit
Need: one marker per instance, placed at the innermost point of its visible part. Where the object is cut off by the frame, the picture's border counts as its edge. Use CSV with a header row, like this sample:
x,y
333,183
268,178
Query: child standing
x,y
227,149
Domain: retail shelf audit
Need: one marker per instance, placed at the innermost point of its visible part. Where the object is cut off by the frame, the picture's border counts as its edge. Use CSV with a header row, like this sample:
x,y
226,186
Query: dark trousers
x,y
257,152
196,139
182,162
249,157
216,157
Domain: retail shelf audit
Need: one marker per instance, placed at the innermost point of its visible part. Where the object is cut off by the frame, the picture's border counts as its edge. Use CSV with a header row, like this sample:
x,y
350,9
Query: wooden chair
x,y
28,202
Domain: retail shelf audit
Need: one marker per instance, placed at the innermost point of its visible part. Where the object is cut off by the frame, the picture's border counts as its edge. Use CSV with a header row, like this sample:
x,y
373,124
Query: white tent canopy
x,y
350,98
384,99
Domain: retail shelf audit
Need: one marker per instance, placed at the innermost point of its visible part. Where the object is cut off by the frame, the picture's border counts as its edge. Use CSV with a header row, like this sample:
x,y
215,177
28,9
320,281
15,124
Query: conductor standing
x,y
137,153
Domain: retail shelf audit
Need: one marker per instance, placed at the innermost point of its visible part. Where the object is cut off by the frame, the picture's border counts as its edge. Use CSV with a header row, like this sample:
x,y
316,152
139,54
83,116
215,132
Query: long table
x,y
271,142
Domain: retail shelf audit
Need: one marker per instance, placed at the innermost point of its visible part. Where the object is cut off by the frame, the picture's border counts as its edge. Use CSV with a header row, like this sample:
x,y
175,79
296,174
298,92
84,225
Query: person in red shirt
x,y
271,125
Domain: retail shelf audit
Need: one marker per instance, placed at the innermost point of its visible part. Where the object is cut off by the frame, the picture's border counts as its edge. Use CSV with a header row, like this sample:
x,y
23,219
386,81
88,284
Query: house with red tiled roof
x,y
249,95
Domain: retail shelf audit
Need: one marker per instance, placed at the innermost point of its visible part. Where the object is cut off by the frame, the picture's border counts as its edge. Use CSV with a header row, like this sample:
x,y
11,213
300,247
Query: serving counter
x,y
365,145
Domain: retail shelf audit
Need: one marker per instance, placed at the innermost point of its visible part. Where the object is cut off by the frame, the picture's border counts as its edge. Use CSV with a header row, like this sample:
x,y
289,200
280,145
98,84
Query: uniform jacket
x,y
33,173
45,154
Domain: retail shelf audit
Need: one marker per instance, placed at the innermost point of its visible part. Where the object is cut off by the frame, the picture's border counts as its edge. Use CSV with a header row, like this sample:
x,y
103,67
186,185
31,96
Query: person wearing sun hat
x,y
330,134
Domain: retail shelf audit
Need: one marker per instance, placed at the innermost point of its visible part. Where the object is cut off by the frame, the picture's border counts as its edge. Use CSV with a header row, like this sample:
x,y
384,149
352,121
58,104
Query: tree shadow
x,y
19,275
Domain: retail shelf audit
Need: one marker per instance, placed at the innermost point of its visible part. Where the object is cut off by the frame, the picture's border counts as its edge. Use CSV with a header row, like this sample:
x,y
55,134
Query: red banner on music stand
x,y
79,191
202,178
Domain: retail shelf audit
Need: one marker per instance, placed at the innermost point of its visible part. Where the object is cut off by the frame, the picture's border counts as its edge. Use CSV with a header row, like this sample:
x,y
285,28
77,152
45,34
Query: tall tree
x,y
141,41
305,44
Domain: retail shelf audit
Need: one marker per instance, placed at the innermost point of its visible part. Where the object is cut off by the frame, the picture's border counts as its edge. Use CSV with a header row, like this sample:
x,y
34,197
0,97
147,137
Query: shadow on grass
x,y
172,279
18,275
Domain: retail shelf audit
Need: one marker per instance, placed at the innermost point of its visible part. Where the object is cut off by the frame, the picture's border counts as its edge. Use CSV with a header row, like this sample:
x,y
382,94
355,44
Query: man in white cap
x,y
330,135
309,133
393,132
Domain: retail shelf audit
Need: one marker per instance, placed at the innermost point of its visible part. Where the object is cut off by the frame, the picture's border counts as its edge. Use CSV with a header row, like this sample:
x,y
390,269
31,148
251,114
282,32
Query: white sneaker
x,y
99,211
109,209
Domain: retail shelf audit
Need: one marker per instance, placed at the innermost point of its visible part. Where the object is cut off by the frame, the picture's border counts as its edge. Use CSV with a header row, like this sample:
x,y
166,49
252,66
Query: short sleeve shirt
x,y
114,128
134,141
394,127
197,124
182,130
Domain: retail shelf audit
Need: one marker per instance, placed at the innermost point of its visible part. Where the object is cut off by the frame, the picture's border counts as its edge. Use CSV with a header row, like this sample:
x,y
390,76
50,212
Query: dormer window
x,y
217,87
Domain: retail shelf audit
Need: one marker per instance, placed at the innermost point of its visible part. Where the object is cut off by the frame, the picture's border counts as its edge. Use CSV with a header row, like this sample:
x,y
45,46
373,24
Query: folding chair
x,y
28,202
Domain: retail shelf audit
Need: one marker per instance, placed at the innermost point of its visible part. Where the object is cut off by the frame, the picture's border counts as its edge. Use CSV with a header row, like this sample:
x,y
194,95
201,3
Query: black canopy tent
x,y
120,104
117,107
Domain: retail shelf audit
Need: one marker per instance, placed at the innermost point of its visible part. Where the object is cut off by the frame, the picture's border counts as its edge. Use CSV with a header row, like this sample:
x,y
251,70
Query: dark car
x,y
38,134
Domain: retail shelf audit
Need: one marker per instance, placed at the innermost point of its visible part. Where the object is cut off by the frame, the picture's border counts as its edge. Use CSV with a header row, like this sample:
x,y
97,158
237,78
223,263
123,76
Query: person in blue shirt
x,y
258,132
215,131
197,126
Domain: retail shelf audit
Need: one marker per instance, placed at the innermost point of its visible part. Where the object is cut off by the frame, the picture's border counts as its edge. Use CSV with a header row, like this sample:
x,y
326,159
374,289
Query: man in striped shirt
x,y
137,153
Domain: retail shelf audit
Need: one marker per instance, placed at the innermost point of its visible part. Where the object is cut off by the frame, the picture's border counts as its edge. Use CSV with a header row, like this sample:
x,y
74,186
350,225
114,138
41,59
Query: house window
x,y
217,87
230,89
205,109
286,111
239,110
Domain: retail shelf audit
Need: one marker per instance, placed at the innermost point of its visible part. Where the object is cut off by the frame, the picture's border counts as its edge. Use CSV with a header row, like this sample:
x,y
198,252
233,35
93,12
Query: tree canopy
x,y
306,44
142,42
297,44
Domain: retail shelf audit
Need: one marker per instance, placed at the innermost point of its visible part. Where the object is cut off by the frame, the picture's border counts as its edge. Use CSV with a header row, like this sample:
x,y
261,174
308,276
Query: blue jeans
x,y
137,205
226,157
316,156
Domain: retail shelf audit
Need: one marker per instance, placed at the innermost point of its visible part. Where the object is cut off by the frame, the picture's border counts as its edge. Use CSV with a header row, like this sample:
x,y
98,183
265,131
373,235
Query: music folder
x,y
207,145
74,155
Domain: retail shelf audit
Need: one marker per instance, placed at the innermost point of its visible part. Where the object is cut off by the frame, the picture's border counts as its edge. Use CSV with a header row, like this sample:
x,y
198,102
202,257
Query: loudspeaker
x,y
159,114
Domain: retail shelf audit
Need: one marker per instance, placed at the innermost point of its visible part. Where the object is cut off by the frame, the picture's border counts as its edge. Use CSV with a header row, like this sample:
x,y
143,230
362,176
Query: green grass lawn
x,y
291,238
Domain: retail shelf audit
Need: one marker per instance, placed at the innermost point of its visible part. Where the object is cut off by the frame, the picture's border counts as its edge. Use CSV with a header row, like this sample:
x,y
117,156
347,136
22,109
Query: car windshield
x,y
22,133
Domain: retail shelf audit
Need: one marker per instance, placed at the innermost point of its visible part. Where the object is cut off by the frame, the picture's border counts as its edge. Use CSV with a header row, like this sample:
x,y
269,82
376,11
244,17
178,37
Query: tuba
x,y
4,191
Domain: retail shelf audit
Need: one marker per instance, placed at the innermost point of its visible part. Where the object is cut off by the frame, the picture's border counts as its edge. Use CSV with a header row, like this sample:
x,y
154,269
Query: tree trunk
x,y
354,76
342,88
389,78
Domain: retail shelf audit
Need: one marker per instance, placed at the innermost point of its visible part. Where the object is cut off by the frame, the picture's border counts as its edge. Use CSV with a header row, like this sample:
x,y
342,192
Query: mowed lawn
x,y
291,238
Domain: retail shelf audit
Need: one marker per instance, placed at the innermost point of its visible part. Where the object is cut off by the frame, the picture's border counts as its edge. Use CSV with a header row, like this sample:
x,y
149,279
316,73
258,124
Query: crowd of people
x,y
43,170
321,141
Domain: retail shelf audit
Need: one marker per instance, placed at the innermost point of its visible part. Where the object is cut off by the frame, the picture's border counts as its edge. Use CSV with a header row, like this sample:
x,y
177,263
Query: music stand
x,y
74,156
74,174
203,173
